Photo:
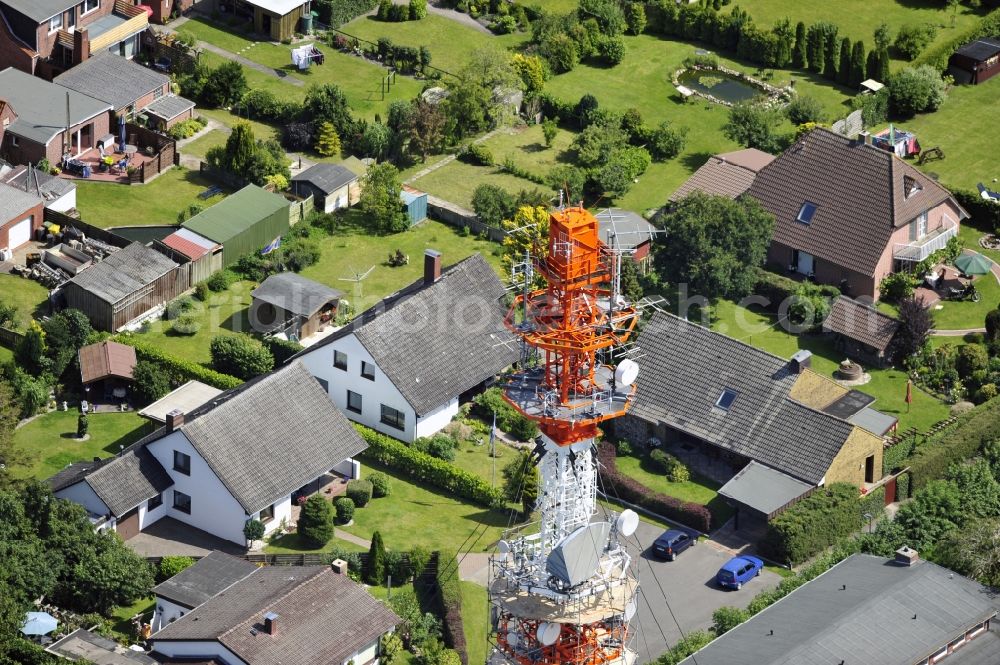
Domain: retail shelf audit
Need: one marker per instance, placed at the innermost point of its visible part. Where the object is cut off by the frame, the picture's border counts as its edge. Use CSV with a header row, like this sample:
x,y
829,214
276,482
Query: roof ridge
x,y
316,574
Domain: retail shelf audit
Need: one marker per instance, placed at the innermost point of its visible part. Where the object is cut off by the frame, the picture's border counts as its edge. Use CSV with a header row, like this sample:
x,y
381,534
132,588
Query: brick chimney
x,y
801,361
907,556
271,623
432,266
174,420
339,566
81,45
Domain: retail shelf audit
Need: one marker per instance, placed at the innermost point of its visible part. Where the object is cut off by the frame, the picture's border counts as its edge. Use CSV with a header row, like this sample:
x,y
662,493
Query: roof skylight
x,y
806,212
726,399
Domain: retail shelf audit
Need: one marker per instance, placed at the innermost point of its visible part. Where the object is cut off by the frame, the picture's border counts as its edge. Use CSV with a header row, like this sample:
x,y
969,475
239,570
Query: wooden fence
x,y
449,213
163,148
10,338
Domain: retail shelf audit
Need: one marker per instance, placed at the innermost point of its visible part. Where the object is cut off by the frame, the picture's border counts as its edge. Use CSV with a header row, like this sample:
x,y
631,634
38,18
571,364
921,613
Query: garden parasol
x,y
973,263
39,623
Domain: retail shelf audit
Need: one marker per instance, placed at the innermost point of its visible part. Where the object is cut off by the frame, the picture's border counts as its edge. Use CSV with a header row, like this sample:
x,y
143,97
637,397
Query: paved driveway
x,y
688,584
169,537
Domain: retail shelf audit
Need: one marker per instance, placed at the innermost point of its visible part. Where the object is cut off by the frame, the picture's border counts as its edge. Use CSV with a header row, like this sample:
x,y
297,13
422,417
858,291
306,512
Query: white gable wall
x,y
282,511
434,421
166,613
196,650
367,654
84,495
319,362
64,202
213,508
147,517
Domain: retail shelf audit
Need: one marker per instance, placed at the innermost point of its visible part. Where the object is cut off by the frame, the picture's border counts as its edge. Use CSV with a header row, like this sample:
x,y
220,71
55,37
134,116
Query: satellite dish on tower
x,y
512,638
547,633
627,372
630,610
627,523
503,547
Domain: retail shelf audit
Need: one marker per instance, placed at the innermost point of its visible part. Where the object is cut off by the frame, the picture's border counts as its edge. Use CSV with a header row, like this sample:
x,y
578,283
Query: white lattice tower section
x,y
567,497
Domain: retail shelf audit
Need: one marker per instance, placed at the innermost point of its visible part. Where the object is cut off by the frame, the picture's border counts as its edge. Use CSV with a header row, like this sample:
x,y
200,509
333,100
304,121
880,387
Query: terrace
x,y
117,171
918,250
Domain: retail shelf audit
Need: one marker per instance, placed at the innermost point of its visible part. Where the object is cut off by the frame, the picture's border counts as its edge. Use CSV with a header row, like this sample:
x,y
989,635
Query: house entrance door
x,y
805,265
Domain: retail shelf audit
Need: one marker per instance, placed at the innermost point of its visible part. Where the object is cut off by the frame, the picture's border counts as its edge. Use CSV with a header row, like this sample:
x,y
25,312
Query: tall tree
x,y
882,63
754,126
844,67
830,56
65,333
716,245
858,70
327,140
426,128
974,551
883,36
375,565
380,198
240,148
327,103
10,456
915,324
784,36
800,58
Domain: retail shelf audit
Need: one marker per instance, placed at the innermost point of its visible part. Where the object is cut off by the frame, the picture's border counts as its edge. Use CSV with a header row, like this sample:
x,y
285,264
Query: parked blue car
x,y
738,571
672,543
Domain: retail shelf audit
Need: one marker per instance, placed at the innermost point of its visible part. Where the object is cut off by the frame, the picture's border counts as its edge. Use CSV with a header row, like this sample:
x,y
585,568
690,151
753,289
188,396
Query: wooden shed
x,y
106,370
279,19
976,61
860,331
243,223
201,255
125,286
291,304
414,203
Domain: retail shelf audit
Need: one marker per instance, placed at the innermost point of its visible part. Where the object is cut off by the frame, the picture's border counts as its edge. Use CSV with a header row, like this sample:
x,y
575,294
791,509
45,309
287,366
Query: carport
x,y
759,492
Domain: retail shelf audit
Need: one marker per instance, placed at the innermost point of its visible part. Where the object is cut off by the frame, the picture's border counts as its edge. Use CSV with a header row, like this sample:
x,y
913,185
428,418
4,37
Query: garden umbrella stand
x,y
973,264
39,623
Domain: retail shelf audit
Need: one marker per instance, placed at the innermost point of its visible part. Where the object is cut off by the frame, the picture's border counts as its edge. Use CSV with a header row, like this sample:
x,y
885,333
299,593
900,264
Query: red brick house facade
x,y
20,216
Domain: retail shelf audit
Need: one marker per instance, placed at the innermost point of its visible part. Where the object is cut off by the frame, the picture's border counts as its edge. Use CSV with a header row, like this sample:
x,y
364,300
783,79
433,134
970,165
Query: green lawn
x,y
476,459
199,147
888,386
455,182
962,315
353,251
122,617
290,544
965,132
25,294
225,313
107,204
416,514
475,612
969,236
450,42
258,80
50,440
260,130
697,490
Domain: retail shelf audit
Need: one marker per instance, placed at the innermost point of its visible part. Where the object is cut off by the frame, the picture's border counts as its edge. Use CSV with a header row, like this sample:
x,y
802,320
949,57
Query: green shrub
x,y
726,618
374,570
417,9
180,371
959,442
345,509
896,286
172,565
240,355
778,289
150,381
895,456
678,472
221,280
360,492
450,593
902,487
813,524
281,349
491,402
424,468
660,459
186,324
476,154
315,526
201,291
916,90
82,426
912,39
805,109
441,446
179,306
380,484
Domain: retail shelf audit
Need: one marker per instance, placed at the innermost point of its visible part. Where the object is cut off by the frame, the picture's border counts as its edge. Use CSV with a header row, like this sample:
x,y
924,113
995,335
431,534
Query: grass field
x,y
963,315
200,146
476,459
455,182
475,612
122,617
50,439
697,490
107,204
415,514
888,386
24,294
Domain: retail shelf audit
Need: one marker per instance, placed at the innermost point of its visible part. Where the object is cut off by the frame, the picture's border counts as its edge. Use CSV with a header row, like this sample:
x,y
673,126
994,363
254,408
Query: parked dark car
x,y
672,543
738,571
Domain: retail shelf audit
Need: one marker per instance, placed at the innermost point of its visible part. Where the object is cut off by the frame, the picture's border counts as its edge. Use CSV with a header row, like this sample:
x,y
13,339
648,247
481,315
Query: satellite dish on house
x,y
630,610
578,555
627,372
547,633
627,523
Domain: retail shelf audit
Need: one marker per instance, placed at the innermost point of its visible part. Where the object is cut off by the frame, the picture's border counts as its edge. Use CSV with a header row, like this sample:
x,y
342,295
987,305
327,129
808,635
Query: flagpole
x,y
493,449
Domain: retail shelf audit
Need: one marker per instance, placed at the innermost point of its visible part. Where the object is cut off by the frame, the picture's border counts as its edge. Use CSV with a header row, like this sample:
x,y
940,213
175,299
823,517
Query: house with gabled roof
x,y
196,585
403,366
729,174
848,214
240,456
861,331
274,615
771,429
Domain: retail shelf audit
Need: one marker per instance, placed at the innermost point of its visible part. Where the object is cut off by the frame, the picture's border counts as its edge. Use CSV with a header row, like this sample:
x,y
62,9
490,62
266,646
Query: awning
x,y
763,488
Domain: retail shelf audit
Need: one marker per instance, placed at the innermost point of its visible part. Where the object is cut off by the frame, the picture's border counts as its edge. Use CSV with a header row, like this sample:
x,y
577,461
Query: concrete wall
x,y
849,464
213,508
82,494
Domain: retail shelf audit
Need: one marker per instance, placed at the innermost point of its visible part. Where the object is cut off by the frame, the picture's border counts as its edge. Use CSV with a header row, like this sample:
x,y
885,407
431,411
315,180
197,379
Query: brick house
x,y
39,128
46,37
163,9
20,216
848,214
135,87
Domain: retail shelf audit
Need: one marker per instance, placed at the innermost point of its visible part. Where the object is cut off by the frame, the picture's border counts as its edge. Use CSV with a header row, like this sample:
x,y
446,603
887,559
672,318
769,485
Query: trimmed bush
x,y
375,563
424,468
180,371
221,280
240,355
813,524
476,154
82,426
282,349
778,289
201,291
380,484
360,492
960,441
345,509
616,483
172,565
450,594
315,526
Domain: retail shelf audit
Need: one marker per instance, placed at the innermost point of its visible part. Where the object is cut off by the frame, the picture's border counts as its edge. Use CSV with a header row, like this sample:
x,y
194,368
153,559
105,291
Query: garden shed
x,y
293,305
106,370
860,331
202,256
976,61
243,223
415,204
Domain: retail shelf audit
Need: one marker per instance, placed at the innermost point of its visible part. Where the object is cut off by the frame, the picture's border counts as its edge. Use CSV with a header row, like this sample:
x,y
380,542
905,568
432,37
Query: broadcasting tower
x,y
564,591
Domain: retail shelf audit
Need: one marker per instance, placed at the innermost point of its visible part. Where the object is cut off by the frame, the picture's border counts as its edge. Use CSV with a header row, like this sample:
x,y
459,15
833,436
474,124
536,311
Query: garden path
x,y
450,158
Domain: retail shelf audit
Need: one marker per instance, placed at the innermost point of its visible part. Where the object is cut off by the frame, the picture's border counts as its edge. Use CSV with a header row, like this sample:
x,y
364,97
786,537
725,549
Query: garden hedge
x,y
616,483
336,13
778,288
956,443
423,467
984,215
180,370
937,56
450,595
813,524
895,457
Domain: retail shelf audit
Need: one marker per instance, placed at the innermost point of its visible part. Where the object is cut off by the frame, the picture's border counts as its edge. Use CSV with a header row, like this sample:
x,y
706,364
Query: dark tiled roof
x,y
296,294
861,322
41,105
729,174
71,474
863,610
83,645
858,191
40,10
198,583
14,202
685,369
268,437
435,342
323,617
124,272
981,49
631,230
112,79
327,178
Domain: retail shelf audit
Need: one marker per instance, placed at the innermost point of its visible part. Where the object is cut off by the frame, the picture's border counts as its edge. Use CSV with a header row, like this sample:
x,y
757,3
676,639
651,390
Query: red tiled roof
x,y
193,250
105,359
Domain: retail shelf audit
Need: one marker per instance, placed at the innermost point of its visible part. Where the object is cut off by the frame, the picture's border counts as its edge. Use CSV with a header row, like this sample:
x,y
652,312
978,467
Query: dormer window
x,y
806,212
726,399
910,186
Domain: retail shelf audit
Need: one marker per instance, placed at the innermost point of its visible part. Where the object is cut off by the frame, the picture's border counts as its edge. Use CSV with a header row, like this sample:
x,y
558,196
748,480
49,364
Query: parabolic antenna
x,y
627,372
547,633
512,638
503,547
630,610
627,523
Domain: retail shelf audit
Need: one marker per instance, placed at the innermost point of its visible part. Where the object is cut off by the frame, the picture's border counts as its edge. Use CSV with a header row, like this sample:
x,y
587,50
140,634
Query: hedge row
x,y
962,440
895,457
617,483
423,467
778,288
336,13
450,595
985,215
937,57
813,524
180,370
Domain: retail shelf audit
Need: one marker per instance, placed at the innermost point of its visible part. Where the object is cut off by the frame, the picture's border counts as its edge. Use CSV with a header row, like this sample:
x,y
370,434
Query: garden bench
x,y
210,192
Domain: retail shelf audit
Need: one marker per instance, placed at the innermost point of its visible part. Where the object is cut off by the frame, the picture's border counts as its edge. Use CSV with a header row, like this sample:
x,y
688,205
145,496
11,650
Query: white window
x,y
353,401
55,22
90,5
340,360
267,514
922,224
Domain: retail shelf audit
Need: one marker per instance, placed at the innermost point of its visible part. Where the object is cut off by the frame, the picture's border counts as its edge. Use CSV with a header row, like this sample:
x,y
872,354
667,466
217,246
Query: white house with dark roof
x,y
275,615
240,456
195,585
403,366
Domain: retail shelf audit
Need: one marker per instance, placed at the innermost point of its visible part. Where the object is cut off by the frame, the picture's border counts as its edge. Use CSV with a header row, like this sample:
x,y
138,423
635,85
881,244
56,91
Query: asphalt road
x,y
680,593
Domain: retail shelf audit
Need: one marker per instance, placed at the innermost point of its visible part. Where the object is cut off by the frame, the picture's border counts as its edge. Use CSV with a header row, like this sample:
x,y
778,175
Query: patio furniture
x,y
988,194
929,154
